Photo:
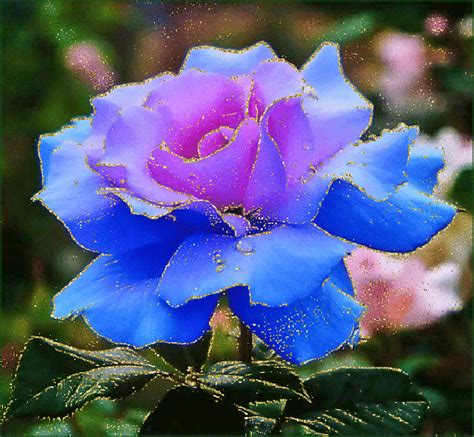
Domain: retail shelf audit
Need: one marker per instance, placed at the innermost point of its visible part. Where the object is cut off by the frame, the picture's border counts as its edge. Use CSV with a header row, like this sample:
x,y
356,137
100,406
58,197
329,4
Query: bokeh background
x,y
412,60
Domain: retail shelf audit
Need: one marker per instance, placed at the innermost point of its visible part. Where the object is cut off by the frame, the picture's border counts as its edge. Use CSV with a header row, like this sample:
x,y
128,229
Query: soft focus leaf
x,y
183,357
54,379
461,192
56,428
190,411
455,80
364,401
416,363
258,381
351,28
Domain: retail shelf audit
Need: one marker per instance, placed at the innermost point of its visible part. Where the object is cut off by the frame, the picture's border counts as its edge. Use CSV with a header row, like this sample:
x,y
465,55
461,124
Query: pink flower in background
x,y
86,61
464,27
436,24
405,61
221,320
457,150
402,293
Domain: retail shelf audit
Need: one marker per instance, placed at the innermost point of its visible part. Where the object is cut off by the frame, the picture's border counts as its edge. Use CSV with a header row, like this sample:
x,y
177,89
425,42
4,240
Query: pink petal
x,y
198,102
268,180
214,140
274,79
221,177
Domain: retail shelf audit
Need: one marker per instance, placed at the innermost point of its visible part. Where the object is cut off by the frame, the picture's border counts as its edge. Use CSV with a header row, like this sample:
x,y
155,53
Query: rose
x,y
241,174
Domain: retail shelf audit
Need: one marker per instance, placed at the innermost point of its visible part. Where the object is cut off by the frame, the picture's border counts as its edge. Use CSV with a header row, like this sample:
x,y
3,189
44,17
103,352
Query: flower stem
x,y
245,343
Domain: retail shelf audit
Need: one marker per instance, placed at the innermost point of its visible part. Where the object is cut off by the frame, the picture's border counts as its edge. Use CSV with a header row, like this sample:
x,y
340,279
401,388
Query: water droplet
x,y
245,247
221,267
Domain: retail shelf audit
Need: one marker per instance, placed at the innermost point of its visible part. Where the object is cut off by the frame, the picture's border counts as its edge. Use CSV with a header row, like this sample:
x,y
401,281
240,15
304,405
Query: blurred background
x,y
412,60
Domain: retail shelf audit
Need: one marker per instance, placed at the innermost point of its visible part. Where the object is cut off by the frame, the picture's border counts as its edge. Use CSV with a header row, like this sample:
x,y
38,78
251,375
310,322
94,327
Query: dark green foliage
x,y
184,357
262,397
462,192
190,410
258,381
259,425
54,379
363,401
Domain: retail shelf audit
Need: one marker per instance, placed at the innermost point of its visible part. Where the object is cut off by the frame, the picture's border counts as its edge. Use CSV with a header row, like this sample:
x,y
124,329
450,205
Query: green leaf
x,y
257,381
461,192
268,409
455,80
351,28
188,410
183,357
53,379
416,363
364,401
293,427
259,425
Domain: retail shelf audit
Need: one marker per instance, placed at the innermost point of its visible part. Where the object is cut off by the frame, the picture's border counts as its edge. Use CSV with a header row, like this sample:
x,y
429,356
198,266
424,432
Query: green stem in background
x,y
245,343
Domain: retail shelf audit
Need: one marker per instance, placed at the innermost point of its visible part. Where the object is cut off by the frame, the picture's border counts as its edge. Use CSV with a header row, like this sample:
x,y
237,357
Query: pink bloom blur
x,y
221,320
86,61
404,58
457,150
436,24
401,293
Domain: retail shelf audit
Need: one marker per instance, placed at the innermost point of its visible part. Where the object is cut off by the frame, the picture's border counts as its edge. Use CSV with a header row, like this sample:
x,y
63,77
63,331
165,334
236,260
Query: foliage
x,y
54,380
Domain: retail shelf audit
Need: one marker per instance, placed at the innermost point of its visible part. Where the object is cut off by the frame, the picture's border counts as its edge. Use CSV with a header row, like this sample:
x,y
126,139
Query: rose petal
x,y
221,178
228,62
306,329
274,80
108,106
423,166
405,221
279,267
116,295
129,144
198,103
214,140
98,222
73,133
268,178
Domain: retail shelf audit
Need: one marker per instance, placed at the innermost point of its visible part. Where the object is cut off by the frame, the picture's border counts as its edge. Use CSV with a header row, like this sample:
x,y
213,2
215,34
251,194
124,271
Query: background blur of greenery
x,y
41,92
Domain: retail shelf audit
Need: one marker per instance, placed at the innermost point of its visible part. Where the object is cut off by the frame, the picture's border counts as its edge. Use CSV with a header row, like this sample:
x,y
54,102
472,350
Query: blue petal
x,y
341,279
324,73
228,62
305,330
130,94
109,106
104,223
405,221
279,267
75,132
97,222
117,296
377,166
423,167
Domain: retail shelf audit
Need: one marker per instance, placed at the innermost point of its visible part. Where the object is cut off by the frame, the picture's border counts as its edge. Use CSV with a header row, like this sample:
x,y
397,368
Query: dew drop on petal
x,y
245,247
